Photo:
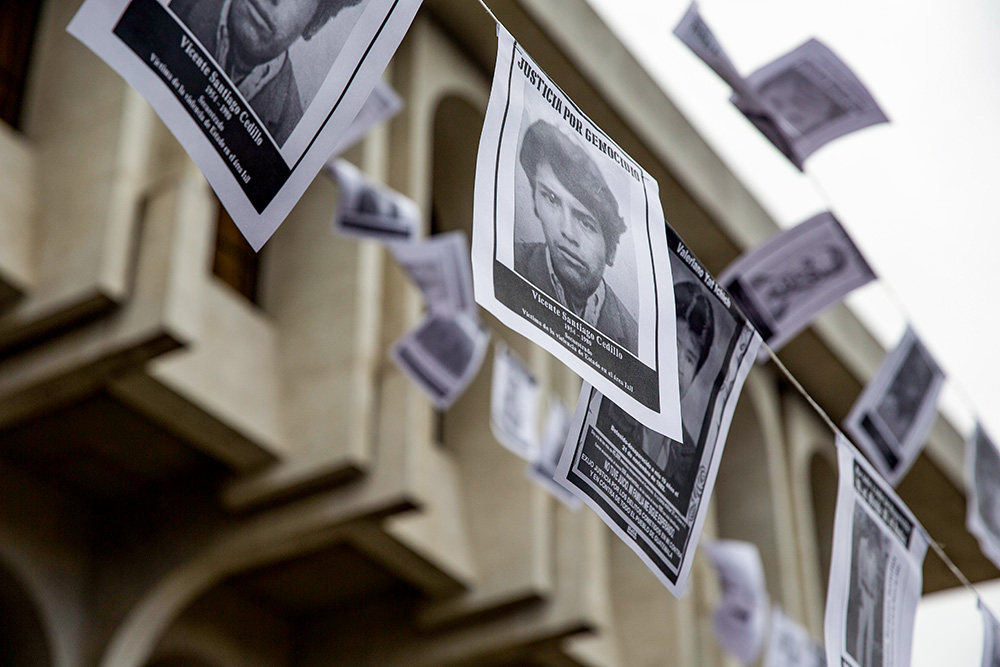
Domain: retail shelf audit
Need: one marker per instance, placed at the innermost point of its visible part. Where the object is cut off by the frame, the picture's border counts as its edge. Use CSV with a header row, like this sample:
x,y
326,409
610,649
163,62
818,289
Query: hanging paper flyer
x,y
696,34
982,492
895,411
370,210
815,95
543,468
792,277
569,245
514,399
800,102
876,569
652,490
740,620
790,644
442,355
991,637
258,93
440,267
382,104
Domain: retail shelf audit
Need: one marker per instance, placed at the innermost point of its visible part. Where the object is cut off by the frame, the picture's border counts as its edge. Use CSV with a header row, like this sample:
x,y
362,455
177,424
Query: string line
x,y
490,12
934,544
901,309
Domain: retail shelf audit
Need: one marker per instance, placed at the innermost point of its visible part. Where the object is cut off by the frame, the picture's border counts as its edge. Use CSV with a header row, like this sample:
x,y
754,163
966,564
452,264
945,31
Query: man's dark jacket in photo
x,y
613,321
277,104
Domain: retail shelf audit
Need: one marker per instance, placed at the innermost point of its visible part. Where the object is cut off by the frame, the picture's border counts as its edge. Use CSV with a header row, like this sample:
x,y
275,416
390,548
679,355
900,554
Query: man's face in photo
x,y
799,101
688,352
263,29
574,236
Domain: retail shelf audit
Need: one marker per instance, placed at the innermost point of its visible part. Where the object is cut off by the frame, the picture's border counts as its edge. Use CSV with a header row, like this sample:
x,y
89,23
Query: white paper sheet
x,y
442,355
876,569
441,268
891,418
514,400
740,620
790,645
783,284
697,36
982,492
543,468
370,210
815,94
991,637
260,137
569,244
652,490
800,102
382,104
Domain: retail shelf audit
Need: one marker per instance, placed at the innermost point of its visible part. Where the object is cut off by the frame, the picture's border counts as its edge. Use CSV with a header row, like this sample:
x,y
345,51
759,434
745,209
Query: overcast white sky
x,y
949,629
918,195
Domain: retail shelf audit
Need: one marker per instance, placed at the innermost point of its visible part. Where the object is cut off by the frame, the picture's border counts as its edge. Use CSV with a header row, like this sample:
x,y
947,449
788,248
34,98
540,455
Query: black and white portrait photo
x,y
543,468
906,393
371,210
799,101
896,409
572,205
805,99
982,479
252,40
789,108
866,598
788,280
807,272
653,490
988,485
569,244
790,644
705,342
260,93
711,345
876,568
740,618
442,355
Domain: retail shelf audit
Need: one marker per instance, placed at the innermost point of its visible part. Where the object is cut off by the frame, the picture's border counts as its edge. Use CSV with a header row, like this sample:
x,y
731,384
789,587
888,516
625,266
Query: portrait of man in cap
x,y
249,39
581,225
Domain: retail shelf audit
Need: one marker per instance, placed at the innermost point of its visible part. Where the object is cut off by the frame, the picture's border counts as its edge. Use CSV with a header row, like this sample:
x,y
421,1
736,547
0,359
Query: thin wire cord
x,y
939,550
965,396
935,546
490,12
894,297
805,394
